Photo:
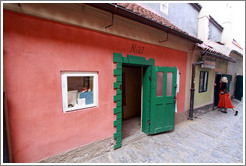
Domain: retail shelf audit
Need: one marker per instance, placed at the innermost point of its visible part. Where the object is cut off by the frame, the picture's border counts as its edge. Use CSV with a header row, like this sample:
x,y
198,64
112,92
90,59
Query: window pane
x,y
80,90
169,83
159,84
205,81
201,81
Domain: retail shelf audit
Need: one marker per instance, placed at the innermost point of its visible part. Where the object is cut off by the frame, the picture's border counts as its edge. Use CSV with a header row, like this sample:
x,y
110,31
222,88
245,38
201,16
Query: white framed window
x,y
164,8
203,82
79,90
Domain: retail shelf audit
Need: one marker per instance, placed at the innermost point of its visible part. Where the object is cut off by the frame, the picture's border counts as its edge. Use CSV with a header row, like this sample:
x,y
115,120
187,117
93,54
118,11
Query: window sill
x,y
77,107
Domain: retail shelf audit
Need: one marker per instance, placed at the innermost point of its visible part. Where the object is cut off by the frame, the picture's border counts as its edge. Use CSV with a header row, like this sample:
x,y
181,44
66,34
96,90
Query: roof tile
x,y
135,8
222,52
123,4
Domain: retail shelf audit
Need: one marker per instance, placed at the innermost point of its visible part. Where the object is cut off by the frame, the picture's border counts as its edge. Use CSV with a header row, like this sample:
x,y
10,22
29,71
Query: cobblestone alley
x,y
213,137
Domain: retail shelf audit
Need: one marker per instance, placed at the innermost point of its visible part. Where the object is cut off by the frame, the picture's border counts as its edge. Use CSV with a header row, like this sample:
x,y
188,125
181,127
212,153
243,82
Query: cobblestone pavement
x,y
213,137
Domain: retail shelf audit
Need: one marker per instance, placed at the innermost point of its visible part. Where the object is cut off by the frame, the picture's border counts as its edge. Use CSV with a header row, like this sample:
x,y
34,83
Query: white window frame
x,y
165,11
64,76
204,82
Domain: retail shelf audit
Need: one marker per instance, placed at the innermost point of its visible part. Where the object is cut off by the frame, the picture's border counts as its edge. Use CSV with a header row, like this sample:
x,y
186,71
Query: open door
x,y
163,98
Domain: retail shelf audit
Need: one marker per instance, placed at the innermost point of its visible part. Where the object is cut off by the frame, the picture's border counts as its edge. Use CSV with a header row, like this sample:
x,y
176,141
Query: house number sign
x,y
137,49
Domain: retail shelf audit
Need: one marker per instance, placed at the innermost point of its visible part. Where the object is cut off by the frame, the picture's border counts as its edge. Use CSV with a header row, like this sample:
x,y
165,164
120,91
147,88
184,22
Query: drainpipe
x,y
115,8
192,90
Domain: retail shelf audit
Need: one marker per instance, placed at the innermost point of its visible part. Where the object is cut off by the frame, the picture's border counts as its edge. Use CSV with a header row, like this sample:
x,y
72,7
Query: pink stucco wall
x,y
35,51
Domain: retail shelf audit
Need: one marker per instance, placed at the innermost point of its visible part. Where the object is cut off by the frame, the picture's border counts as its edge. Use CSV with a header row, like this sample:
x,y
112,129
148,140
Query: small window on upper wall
x,y
79,90
164,8
203,82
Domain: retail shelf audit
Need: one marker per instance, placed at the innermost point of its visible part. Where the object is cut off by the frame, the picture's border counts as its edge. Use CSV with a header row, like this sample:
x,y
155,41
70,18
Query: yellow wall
x,y
235,69
221,66
204,98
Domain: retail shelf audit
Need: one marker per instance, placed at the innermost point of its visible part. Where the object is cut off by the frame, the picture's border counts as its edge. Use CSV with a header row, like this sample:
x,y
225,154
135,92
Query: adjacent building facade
x,y
223,59
217,51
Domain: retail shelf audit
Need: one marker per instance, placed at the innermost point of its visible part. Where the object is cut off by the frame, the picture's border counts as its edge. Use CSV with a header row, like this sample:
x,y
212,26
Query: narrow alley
x,y
213,137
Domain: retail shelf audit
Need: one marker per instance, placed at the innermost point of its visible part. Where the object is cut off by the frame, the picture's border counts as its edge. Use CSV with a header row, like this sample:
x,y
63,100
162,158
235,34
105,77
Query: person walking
x,y
224,97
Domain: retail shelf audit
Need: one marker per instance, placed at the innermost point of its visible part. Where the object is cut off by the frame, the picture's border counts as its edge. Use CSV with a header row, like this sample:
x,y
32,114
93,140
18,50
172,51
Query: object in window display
x,y
85,88
88,96
84,93
79,90
72,98
81,102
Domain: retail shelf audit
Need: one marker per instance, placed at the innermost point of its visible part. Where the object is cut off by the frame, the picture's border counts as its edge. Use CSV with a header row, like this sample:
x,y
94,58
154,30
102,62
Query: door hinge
x,y
120,87
148,122
175,86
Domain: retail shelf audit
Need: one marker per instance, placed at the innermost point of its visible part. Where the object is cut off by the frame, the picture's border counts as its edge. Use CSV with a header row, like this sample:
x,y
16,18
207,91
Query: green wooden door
x,y
163,97
239,87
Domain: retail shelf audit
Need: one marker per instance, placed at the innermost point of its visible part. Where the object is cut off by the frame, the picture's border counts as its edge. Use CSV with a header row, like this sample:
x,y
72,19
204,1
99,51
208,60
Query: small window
x,y
164,8
79,90
203,83
169,84
159,85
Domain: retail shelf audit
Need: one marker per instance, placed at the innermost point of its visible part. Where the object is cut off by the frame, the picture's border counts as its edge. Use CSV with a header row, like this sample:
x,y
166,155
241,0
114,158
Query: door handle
x,y
175,99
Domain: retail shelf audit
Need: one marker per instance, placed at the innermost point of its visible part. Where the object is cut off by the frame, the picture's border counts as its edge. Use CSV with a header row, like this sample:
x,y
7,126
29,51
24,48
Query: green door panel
x,y
162,109
239,87
158,112
146,99
133,61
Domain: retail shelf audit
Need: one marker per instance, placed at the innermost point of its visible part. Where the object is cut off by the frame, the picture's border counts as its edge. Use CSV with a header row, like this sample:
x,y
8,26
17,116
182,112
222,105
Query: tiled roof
x,y
138,13
219,51
137,9
236,44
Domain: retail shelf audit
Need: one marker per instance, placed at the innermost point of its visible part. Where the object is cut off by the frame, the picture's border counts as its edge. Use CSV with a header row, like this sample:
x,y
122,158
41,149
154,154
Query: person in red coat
x,y
224,95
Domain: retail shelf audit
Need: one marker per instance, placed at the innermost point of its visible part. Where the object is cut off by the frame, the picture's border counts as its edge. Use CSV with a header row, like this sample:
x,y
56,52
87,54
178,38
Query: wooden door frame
x,y
135,61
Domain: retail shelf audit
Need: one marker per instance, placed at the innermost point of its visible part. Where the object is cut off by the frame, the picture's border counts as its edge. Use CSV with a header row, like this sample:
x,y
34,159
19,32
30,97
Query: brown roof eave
x,y
213,21
136,17
226,58
197,6
236,52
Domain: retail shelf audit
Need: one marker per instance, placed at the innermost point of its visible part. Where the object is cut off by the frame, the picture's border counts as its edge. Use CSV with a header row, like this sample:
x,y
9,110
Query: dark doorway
x,y
131,101
239,87
5,138
217,86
